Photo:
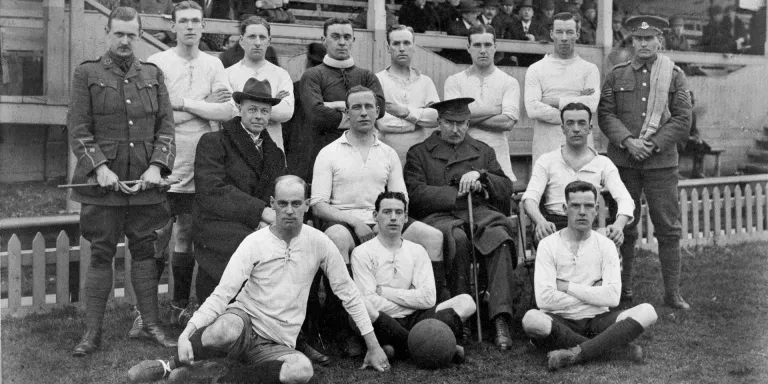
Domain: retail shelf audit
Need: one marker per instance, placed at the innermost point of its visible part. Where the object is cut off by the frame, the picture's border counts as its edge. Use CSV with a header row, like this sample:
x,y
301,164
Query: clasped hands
x,y
640,149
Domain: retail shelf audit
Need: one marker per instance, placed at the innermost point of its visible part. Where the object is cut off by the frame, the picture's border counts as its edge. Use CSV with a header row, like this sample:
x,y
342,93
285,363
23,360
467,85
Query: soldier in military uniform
x,y
121,129
644,110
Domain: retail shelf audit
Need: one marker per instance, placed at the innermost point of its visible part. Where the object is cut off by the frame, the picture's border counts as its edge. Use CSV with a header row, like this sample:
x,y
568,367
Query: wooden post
x,y
707,205
604,28
56,57
694,217
377,21
718,205
14,273
683,196
76,56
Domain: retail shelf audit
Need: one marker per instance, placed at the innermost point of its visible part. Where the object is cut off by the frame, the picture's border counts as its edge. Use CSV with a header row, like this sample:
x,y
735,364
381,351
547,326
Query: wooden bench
x,y
714,151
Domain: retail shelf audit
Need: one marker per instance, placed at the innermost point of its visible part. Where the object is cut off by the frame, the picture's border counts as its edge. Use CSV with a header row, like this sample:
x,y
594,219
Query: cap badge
x,y
644,25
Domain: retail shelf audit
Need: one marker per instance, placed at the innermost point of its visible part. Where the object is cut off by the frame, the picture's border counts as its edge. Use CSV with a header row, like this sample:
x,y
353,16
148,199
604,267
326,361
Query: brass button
x,y
126,81
643,98
130,145
93,150
128,101
621,89
130,122
643,113
645,71
645,85
164,149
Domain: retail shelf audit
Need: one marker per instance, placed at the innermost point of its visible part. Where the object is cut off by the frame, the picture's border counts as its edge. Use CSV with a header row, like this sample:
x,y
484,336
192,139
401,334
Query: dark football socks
x,y
618,334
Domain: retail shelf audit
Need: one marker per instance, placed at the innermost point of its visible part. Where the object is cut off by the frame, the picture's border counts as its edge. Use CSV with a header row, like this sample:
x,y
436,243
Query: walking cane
x,y
475,266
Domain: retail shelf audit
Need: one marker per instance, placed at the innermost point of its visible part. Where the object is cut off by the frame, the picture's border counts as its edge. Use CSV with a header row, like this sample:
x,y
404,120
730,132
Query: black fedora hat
x,y
256,90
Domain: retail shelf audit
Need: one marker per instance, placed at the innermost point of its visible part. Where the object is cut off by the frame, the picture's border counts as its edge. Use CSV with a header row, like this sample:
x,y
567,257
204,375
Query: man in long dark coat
x,y
439,173
234,171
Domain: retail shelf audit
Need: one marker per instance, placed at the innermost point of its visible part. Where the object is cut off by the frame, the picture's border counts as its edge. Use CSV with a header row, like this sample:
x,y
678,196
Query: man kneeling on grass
x,y
577,279
396,280
277,264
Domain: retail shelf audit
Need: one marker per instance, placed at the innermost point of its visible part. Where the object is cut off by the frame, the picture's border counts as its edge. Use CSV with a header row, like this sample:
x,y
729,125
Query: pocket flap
x,y
147,83
624,86
102,82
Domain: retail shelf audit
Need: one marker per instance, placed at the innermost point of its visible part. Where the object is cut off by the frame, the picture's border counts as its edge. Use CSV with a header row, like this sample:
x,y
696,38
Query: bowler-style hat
x,y
258,91
454,109
646,25
468,6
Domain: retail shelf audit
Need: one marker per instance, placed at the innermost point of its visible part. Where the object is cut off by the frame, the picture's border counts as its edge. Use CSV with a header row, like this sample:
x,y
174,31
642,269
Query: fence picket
x,y
749,200
683,196
14,272
38,269
62,268
739,207
707,203
85,261
695,215
728,207
718,203
759,202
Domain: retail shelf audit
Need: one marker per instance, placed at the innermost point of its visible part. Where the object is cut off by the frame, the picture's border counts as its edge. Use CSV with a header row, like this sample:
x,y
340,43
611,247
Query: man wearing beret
x,y
121,129
644,110
439,173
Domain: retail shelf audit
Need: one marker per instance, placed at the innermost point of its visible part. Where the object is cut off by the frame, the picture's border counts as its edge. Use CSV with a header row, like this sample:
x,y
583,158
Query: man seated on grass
x,y
577,279
574,161
277,265
396,280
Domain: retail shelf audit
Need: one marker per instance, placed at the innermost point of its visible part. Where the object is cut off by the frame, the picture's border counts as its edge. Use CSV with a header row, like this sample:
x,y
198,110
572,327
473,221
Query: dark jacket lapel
x,y
243,143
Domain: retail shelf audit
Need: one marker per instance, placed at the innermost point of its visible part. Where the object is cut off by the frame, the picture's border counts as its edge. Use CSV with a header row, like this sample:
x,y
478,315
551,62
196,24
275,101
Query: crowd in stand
x,y
404,188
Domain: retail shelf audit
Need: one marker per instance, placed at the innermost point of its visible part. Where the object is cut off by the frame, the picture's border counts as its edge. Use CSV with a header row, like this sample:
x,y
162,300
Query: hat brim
x,y
651,31
240,96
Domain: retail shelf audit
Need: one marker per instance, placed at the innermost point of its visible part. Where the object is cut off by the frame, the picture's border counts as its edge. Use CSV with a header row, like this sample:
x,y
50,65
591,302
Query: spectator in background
x,y
447,13
735,29
270,10
588,23
419,15
674,39
490,16
714,38
508,10
757,32
295,143
547,14
361,21
694,146
153,7
526,28
469,12
621,35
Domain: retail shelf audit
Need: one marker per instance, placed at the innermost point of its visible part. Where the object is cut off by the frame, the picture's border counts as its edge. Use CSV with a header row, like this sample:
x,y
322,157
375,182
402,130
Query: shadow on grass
x,y
721,340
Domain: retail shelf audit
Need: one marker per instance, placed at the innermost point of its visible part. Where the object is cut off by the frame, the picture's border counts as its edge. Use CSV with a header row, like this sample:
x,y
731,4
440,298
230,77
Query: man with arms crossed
x,y
256,34
260,326
408,119
496,94
577,279
199,93
560,78
395,278
574,161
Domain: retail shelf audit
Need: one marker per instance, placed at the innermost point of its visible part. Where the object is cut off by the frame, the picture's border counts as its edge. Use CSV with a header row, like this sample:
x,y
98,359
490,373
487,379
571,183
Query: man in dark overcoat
x,y
234,172
439,173
121,129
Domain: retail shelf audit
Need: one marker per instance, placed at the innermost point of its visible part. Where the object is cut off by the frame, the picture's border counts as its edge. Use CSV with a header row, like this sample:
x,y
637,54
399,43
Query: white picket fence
x,y
714,211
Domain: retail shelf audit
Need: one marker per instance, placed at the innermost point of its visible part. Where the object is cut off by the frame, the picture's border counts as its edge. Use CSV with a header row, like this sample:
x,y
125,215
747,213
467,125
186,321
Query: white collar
x,y
341,64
